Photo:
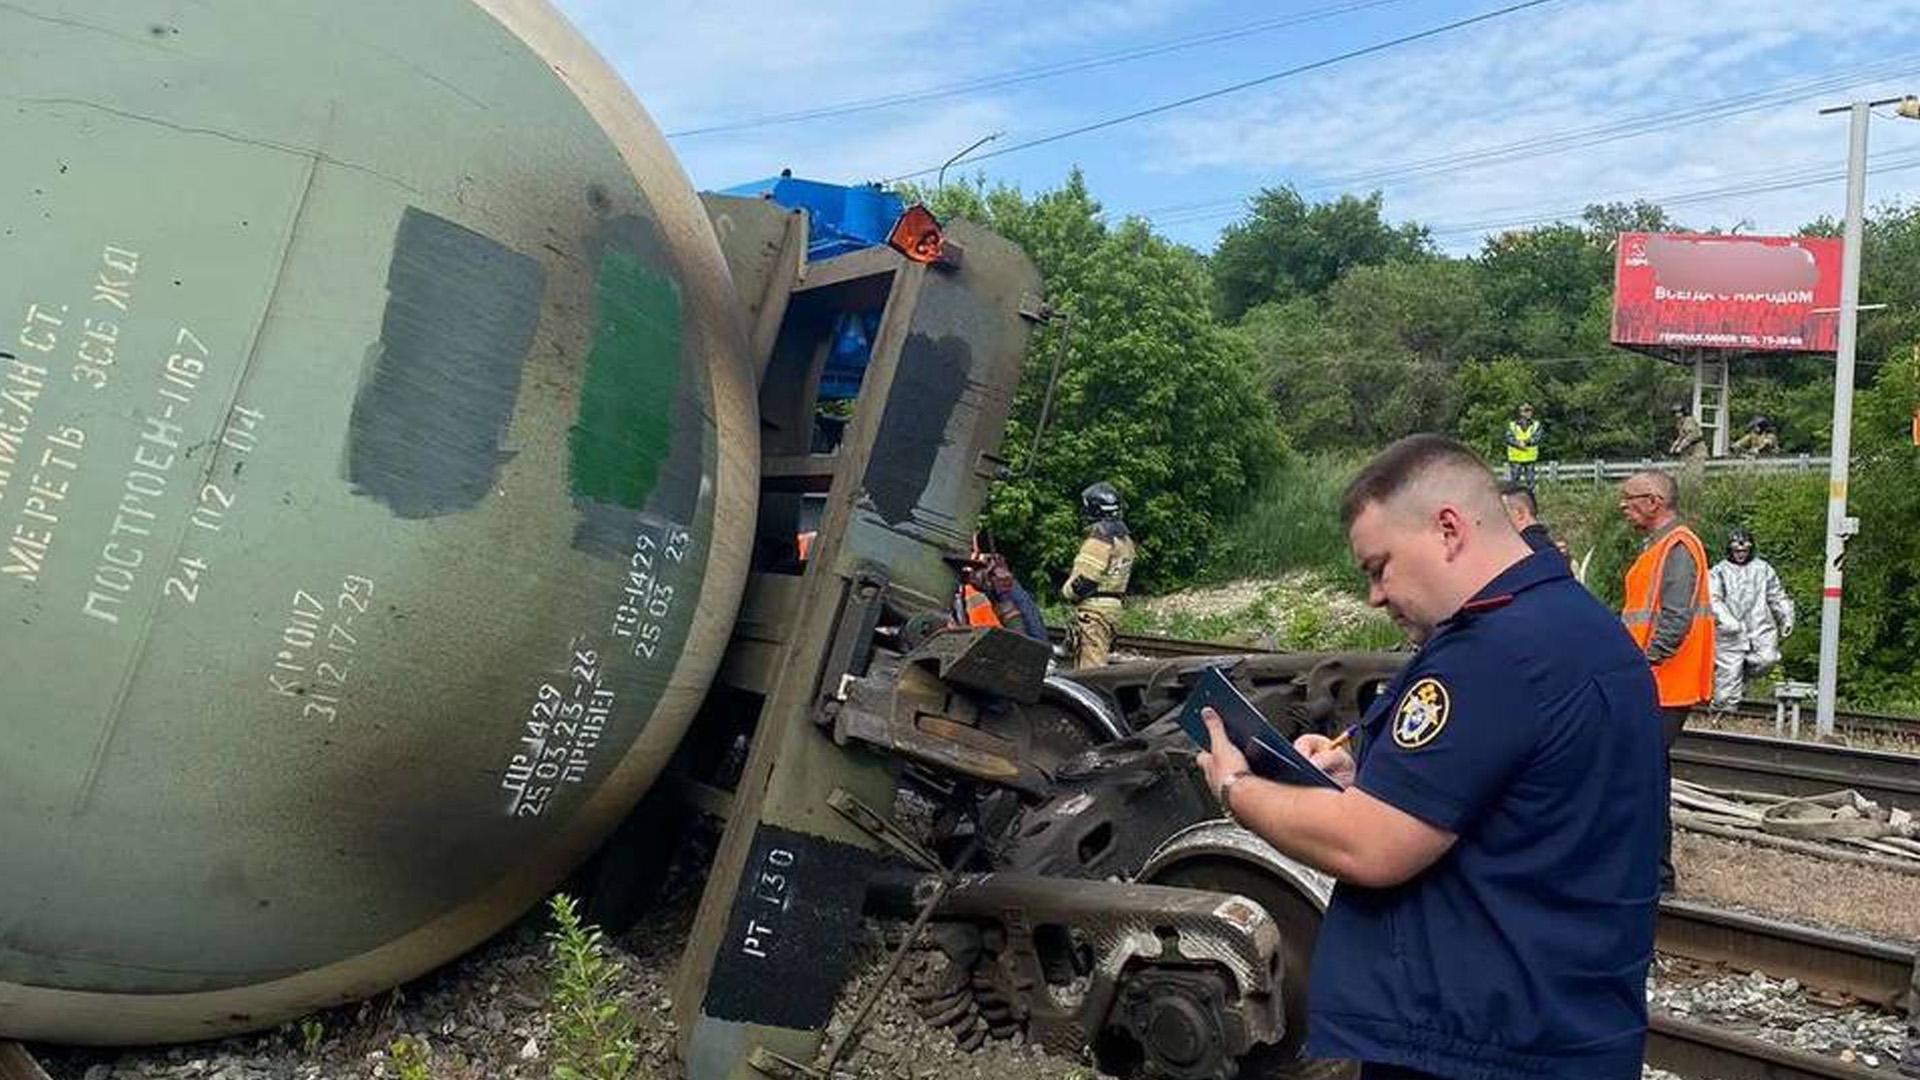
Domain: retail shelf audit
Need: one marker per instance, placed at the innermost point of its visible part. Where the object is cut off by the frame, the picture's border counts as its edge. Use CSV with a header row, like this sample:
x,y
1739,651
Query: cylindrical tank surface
x,y
377,469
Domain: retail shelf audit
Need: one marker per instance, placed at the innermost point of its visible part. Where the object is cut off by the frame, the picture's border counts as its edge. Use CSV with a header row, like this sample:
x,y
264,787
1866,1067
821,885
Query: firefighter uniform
x,y
1527,727
1101,572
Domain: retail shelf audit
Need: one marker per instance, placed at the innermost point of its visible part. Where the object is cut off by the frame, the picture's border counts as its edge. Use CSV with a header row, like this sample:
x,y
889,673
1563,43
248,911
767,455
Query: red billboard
x,y
1762,293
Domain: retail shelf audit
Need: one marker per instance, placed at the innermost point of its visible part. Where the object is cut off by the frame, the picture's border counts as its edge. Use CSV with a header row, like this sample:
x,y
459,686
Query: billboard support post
x,y
1712,398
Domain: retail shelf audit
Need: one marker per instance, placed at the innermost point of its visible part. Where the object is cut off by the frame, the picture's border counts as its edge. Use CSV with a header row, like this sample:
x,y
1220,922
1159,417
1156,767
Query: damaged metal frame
x,y
902,490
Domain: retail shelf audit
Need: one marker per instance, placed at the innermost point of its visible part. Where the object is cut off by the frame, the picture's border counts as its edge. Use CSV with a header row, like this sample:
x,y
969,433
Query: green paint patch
x,y
621,435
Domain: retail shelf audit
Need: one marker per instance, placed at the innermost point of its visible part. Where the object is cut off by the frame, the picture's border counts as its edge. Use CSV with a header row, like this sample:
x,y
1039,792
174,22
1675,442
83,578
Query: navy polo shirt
x,y
1528,727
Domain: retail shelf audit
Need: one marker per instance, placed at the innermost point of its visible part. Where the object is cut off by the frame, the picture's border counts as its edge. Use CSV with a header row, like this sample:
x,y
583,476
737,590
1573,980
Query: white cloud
x,y
1553,70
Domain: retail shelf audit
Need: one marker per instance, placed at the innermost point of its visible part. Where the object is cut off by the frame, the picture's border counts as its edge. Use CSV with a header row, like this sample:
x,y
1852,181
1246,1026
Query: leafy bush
x,y
1153,394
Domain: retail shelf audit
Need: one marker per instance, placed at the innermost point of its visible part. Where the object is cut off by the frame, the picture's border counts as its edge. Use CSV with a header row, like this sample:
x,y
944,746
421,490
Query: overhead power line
x,y
1032,74
1192,99
1788,180
1560,142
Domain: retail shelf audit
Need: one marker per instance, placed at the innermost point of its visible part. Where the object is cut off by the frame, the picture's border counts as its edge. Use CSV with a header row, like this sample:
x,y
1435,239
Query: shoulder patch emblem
x,y
1422,714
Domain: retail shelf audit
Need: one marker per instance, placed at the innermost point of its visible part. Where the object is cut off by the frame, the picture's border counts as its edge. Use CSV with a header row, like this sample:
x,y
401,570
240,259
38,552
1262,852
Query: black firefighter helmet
x,y
1101,501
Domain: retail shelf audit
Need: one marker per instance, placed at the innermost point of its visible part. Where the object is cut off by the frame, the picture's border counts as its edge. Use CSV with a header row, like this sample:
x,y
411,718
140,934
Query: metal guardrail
x,y
1602,471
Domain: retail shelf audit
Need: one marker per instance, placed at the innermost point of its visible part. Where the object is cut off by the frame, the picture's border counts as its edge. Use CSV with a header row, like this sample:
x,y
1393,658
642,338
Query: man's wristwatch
x,y
1225,792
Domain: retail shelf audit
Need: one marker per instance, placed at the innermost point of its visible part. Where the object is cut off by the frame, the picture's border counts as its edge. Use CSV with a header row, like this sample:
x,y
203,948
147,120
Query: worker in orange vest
x,y
1667,610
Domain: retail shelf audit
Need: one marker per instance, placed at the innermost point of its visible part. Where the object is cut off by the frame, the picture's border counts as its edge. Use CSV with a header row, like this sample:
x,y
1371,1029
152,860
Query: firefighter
x,y
1098,581
1759,438
1752,614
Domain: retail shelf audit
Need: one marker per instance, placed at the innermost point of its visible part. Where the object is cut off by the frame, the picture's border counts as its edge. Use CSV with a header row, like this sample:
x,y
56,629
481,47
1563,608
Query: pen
x,y
1343,738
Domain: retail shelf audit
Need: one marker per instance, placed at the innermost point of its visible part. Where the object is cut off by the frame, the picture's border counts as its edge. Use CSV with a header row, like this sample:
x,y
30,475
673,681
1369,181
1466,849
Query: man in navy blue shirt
x,y
1498,842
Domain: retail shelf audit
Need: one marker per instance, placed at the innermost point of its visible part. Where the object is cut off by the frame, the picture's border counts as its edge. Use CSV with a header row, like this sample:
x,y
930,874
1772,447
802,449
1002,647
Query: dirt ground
x,y
1788,886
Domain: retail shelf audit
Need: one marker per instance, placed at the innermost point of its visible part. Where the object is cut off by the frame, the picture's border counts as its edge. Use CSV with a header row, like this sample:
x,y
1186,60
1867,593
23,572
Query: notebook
x,y
1269,754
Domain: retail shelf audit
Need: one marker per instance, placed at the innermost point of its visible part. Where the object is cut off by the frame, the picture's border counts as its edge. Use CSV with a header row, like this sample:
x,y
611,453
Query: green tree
x,y
1606,221
1287,247
1540,283
1154,395
1489,392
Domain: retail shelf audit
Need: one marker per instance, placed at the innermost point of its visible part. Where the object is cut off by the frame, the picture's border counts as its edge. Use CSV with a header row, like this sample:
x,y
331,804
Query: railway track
x,y
1868,969
1715,758
17,1064
1874,971
1791,767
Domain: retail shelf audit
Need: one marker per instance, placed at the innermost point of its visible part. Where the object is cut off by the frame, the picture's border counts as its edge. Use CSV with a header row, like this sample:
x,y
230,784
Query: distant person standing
x,y
1668,611
1690,446
1523,445
1752,614
1101,572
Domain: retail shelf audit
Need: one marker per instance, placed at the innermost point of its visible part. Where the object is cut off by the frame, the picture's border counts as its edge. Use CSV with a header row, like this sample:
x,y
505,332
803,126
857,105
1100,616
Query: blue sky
x,y
1707,105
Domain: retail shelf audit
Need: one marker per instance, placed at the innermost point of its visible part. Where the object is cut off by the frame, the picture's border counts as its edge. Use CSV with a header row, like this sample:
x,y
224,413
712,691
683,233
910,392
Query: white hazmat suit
x,y
1751,613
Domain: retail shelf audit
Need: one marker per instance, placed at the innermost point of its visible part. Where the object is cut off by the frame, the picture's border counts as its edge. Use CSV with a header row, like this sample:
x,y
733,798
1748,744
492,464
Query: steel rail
x,y
1867,968
1694,1049
1791,767
17,1064
1851,721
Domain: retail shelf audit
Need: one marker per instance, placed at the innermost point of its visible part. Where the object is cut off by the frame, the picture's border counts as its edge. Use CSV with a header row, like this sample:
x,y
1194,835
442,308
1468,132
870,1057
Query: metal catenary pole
x,y
1839,525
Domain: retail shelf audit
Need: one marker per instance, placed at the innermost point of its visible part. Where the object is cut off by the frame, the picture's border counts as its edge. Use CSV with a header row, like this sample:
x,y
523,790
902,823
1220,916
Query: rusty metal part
x,y
1789,767
986,660
17,1064
1066,950
398,399
905,710
1223,857
1693,1049
1869,969
884,831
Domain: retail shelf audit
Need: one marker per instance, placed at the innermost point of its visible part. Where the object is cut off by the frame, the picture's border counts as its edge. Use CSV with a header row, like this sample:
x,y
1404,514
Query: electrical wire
x,y
1209,95
1033,74
1805,176
1580,138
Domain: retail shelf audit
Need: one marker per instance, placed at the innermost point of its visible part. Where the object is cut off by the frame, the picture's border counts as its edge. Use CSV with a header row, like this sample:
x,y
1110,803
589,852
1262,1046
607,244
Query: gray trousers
x,y
1671,721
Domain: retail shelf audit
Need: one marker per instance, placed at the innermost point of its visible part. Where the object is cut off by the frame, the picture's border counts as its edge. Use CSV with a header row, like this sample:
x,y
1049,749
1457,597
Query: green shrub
x,y
593,1035
410,1058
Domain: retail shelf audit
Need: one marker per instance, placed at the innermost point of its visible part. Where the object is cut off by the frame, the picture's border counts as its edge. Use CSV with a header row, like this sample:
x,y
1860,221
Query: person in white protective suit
x,y
1751,613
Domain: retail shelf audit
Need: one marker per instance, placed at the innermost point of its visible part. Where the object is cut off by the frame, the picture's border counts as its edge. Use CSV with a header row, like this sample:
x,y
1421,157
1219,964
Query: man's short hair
x,y
1514,491
1663,484
1414,459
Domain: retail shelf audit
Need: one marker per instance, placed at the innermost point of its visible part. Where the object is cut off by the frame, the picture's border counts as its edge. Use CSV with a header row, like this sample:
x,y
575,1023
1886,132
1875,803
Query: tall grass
x,y
1293,523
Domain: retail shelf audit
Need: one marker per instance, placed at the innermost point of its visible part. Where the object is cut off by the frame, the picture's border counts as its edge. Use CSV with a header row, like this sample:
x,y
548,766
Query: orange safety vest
x,y
976,608
1686,677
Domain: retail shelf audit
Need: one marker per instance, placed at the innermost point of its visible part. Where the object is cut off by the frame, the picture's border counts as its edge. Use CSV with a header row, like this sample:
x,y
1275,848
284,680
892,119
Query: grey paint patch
x,y
429,419
932,375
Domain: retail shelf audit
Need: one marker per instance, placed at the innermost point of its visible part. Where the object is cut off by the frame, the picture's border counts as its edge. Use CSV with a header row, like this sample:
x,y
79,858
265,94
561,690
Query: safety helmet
x,y
1100,500
1739,544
